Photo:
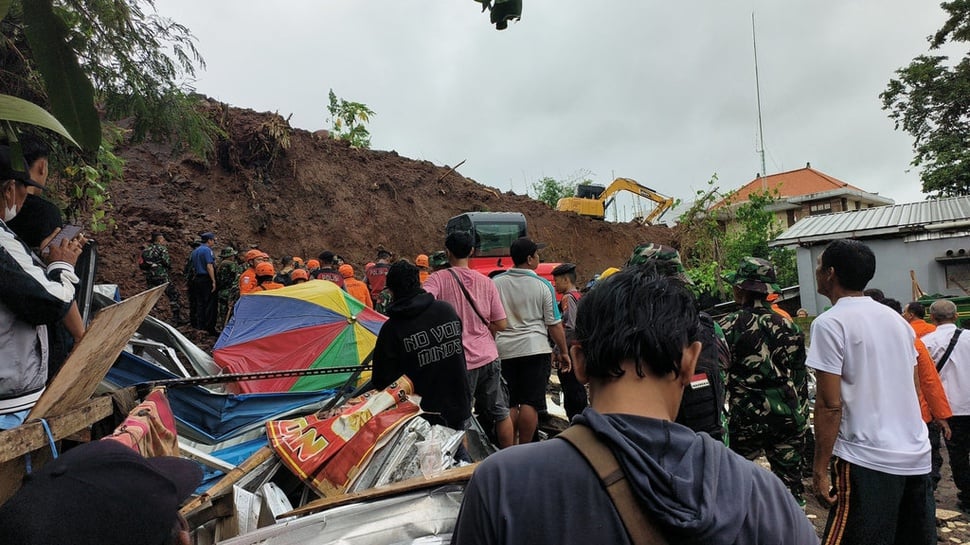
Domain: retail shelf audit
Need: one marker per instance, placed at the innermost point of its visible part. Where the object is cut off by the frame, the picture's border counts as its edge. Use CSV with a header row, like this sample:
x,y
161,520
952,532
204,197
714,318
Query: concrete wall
x,y
894,259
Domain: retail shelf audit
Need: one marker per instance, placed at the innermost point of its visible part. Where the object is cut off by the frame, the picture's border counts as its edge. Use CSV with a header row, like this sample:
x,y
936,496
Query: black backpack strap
x,y
640,528
949,350
468,296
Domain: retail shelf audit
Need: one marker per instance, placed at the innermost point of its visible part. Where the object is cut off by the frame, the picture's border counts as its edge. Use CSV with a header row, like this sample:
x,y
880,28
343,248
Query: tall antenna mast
x,y
761,130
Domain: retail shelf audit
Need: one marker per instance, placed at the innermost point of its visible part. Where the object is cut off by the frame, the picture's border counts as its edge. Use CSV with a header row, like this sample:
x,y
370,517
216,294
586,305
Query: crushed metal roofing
x,y
902,219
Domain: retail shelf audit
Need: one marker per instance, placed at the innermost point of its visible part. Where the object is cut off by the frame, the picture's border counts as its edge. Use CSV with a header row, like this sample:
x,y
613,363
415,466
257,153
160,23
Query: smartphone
x,y
68,232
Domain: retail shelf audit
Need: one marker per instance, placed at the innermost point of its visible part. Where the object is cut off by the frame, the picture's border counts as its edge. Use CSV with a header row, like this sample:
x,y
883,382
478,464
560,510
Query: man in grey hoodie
x,y
636,346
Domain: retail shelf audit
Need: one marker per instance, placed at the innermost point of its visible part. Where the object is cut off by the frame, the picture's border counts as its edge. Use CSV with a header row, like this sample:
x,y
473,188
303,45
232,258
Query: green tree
x,y
709,250
347,120
549,190
82,58
930,100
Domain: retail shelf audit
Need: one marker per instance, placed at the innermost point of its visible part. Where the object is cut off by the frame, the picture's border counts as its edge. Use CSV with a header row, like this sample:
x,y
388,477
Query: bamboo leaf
x,y
4,8
70,92
22,111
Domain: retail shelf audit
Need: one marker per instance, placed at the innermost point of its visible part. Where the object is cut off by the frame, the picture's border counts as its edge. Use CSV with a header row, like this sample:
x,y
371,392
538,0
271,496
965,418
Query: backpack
x,y
702,406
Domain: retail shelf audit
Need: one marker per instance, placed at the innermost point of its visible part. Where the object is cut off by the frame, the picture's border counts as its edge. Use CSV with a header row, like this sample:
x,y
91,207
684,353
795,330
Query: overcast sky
x,y
661,92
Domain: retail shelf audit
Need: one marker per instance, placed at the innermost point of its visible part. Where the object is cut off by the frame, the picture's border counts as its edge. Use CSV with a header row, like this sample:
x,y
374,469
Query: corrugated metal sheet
x,y
879,221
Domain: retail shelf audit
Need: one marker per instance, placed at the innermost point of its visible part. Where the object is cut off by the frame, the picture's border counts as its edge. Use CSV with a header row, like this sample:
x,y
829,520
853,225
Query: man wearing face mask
x,y
34,295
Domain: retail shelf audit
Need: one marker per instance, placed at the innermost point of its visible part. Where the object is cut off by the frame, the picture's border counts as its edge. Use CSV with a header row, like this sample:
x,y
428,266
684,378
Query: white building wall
x,y
895,257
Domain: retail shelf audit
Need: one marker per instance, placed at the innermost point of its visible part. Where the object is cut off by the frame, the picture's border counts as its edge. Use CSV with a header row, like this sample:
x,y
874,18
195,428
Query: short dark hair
x,y
916,309
326,257
383,254
893,304
875,293
403,279
571,275
637,314
33,148
460,243
155,236
853,262
521,249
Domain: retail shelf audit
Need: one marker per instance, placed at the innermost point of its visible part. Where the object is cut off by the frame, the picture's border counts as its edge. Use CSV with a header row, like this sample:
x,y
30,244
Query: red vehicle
x,y
494,232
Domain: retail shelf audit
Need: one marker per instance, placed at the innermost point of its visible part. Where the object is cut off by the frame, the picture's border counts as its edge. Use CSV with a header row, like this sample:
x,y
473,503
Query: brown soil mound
x,y
296,193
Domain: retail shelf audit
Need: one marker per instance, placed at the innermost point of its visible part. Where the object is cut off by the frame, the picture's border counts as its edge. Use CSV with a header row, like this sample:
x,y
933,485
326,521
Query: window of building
x,y
820,208
957,275
792,218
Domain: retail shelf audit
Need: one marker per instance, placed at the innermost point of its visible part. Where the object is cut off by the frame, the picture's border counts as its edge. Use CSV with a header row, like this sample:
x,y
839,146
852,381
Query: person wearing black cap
x,y
328,269
34,295
564,280
102,493
530,304
202,287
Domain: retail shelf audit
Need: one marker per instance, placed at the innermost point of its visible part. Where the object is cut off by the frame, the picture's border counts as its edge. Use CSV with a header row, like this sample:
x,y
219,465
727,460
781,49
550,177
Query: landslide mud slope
x,y
317,194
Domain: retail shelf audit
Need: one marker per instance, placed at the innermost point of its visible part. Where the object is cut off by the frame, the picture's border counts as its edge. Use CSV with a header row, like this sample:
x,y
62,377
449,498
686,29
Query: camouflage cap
x,y
228,251
438,259
754,274
662,254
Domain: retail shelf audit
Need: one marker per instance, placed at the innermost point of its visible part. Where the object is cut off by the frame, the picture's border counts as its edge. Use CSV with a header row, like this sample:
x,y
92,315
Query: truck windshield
x,y
495,238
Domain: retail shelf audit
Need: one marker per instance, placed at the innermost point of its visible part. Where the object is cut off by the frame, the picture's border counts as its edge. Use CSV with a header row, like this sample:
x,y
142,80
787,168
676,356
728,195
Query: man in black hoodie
x,y
422,339
636,346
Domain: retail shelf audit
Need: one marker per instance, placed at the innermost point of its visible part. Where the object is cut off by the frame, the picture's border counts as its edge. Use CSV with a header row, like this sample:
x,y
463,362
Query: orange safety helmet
x,y
346,270
265,269
313,264
421,260
299,274
298,261
252,254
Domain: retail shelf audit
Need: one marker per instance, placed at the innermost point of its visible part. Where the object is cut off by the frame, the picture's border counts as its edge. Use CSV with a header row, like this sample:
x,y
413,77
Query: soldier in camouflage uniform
x,y
157,265
702,407
227,283
767,380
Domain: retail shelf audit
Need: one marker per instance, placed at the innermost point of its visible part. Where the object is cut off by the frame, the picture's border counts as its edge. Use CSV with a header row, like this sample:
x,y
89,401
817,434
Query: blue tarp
x,y
209,416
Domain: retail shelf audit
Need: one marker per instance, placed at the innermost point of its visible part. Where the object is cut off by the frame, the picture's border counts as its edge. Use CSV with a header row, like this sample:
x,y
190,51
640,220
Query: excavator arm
x,y
596,207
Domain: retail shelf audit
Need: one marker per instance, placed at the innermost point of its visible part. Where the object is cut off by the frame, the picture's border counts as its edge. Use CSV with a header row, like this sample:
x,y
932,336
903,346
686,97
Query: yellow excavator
x,y
593,200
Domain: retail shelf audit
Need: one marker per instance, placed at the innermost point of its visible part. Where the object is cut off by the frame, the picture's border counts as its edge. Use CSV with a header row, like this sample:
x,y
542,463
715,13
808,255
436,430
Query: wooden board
x,y
449,476
91,358
31,435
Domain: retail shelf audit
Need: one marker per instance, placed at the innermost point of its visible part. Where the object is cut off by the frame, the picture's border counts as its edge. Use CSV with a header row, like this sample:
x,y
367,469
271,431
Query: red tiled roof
x,y
793,183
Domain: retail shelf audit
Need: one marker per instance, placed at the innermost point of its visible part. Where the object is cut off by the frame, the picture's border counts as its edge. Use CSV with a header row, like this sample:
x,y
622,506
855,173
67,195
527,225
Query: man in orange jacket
x,y
265,275
933,403
247,280
355,287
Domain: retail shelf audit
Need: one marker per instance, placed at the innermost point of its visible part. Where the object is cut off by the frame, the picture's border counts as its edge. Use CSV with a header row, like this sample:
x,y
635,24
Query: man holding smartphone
x,y
35,296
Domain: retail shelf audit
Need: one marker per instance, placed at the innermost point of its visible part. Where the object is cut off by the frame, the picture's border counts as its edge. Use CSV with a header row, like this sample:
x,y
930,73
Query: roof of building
x,y
881,221
803,182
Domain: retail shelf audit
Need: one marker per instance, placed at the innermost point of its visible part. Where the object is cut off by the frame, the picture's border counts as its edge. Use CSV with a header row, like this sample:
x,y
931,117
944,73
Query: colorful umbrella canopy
x,y
306,326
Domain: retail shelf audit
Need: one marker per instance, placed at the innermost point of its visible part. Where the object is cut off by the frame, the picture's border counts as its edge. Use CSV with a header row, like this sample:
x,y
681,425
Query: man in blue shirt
x,y
202,286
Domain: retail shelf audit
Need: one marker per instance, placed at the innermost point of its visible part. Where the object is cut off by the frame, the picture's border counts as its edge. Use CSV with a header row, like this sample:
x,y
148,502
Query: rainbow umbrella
x,y
312,325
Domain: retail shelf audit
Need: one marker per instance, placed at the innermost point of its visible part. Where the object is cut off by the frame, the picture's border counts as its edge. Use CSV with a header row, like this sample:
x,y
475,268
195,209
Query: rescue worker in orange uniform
x,y
247,280
423,267
355,287
265,275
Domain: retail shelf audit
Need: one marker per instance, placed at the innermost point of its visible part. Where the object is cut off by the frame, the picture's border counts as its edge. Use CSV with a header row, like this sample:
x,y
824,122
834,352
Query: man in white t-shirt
x,y
955,376
867,412
530,303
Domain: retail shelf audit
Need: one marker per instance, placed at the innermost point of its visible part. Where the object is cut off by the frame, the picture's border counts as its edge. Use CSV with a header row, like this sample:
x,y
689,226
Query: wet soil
x,y
291,192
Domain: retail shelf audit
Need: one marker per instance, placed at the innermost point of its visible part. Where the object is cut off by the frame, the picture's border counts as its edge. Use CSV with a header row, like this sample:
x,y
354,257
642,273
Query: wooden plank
x,y
31,435
231,478
91,358
449,476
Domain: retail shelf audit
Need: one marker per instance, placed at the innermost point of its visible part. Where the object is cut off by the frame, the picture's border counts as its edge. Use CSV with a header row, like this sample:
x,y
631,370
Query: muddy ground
x,y
295,193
